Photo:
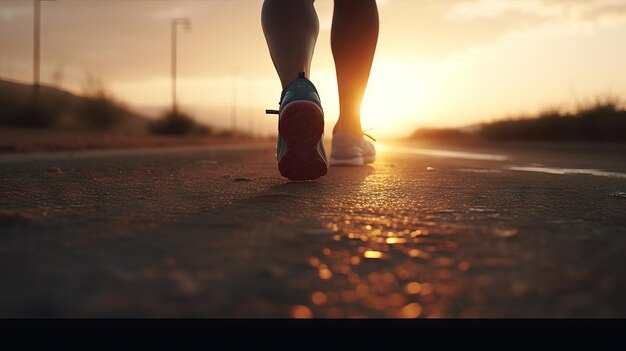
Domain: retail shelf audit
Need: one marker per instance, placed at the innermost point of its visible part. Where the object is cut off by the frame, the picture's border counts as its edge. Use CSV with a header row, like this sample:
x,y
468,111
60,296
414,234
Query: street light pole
x,y
233,103
250,120
37,44
175,23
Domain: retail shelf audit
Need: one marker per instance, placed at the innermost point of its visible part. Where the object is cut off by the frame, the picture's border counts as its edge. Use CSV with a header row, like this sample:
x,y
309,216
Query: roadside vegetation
x,y
602,120
95,109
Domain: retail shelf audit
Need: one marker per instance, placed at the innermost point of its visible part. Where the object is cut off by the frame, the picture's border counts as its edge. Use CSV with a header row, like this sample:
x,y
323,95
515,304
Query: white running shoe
x,y
350,150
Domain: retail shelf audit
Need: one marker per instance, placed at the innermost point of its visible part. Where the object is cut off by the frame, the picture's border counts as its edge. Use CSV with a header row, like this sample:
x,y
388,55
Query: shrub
x,y
178,123
601,120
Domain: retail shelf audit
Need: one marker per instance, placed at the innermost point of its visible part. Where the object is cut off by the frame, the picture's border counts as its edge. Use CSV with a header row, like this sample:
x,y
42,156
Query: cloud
x,y
12,12
568,13
482,9
605,12
467,26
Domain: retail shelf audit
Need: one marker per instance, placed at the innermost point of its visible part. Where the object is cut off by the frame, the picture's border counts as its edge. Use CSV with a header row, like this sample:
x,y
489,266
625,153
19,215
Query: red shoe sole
x,y
301,125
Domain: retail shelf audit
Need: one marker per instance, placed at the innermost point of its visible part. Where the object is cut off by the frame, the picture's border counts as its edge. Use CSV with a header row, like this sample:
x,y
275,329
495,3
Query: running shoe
x,y
300,147
351,150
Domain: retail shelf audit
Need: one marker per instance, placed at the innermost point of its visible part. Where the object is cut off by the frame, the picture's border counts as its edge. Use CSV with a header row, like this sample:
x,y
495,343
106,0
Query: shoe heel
x,y
301,125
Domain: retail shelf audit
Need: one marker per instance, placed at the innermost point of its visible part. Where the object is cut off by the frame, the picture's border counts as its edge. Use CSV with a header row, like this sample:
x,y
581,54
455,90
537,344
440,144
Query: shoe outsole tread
x,y
301,125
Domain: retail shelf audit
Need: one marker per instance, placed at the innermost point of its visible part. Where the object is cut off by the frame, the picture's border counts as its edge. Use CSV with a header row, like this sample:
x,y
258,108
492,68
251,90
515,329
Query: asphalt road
x,y
493,231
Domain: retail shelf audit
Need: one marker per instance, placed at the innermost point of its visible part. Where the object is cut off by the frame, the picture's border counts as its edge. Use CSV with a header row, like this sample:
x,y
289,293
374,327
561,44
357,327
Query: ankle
x,y
353,126
356,130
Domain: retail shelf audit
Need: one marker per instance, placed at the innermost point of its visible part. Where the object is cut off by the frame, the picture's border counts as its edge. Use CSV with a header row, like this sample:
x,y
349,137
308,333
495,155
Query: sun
x,y
396,96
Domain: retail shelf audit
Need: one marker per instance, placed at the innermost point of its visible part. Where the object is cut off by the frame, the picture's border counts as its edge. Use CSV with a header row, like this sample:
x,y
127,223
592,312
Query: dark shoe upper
x,y
300,89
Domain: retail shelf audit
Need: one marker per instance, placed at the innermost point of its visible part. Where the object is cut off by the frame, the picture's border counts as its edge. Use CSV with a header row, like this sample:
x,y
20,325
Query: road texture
x,y
492,231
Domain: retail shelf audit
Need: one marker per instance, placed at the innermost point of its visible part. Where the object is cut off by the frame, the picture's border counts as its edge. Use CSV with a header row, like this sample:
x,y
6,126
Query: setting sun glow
x,y
437,64
396,93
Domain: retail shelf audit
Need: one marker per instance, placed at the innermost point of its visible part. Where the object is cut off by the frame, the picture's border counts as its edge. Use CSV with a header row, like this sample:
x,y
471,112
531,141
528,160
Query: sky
x,y
440,63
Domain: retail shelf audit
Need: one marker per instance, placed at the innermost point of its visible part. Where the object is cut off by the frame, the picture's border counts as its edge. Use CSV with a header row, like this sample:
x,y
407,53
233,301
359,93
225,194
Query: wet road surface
x,y
506,231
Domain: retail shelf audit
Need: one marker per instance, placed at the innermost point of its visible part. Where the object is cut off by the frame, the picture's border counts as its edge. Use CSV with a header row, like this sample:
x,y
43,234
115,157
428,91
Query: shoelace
x,y
367,135
282,96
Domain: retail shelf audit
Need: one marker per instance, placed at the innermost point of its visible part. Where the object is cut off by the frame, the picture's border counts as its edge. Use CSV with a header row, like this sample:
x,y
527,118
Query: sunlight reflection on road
x,y
564,171
441,153
397,254
374,263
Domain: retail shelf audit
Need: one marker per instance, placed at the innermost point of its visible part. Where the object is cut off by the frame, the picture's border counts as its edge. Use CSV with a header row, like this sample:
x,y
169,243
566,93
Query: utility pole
x,y
37,45
233,103
250,118
175,23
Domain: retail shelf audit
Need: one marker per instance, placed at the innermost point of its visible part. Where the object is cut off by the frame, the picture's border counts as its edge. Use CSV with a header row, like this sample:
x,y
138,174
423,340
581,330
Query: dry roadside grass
x,y
20,140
